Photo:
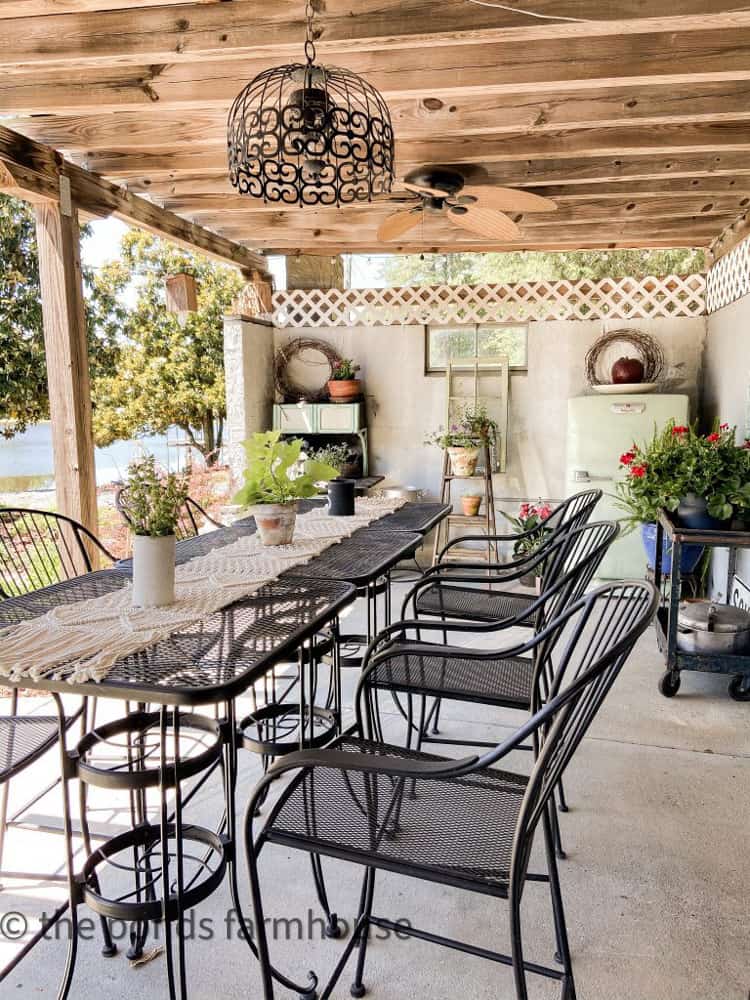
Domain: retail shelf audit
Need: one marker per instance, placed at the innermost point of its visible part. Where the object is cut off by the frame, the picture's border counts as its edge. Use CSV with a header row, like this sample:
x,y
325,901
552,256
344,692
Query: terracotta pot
x,y
275,522
464,461
153,571
344,390
470,505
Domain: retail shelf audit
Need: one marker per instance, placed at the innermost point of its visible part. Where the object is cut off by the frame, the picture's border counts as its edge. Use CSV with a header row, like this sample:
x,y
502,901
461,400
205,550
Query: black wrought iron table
x,y
209,663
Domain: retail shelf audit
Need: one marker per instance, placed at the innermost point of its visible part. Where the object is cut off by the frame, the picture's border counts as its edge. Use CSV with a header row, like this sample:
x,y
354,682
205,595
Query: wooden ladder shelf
x,y
477,524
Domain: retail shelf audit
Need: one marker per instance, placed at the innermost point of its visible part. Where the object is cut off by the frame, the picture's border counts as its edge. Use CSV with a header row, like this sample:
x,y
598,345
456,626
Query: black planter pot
x,y
341,497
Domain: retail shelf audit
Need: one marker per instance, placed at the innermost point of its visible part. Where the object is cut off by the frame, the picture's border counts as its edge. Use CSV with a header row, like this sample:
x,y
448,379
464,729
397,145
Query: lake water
x,y
26,460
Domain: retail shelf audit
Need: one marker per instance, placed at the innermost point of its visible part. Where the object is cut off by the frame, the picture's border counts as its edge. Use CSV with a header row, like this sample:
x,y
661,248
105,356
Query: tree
x,y
490,268
23,368
167,373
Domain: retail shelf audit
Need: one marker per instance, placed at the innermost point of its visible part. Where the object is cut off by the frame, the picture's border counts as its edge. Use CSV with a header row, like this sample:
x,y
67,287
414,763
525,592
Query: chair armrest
x,y
396,767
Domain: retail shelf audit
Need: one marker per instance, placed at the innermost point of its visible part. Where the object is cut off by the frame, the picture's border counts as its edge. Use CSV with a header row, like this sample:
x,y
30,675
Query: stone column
x,y
248,368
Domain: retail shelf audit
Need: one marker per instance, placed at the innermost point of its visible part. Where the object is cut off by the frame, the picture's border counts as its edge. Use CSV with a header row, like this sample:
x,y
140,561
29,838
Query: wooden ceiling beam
x,y
176,33
601,242
678,59
34,171
419,118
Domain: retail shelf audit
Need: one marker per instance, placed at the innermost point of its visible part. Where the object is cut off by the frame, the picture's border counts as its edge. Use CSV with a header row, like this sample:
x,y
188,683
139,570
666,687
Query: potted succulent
x,y
154,503
343,385
270,493
470,504
474,428
529,523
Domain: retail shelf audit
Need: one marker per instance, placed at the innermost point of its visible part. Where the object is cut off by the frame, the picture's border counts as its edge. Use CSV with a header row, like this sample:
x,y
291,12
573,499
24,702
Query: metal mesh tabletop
x,y
361,558
210,661
413,516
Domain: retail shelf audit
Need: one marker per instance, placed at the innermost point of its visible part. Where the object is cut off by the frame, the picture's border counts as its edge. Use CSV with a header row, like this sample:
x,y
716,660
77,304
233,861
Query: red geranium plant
x,y
679,461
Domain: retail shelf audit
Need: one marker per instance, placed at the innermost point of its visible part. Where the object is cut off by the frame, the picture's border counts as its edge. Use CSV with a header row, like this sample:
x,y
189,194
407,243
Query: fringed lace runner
x,y
82,641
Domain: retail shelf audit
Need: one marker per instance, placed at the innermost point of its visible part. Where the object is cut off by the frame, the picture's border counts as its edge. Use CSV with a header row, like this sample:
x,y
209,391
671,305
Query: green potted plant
x,y
703,478
154,503
343,385
270,493
473,429
529,523
338,456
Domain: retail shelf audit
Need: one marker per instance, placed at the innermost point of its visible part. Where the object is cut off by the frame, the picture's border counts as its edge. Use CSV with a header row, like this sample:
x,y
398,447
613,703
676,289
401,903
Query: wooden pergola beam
x,y
33,170
159,34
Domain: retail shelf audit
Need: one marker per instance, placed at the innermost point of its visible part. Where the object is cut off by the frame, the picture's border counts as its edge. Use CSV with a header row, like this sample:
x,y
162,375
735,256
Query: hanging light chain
x,y
309,40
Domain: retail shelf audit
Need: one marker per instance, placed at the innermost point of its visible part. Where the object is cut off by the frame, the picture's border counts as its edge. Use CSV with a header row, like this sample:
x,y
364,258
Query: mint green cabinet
x,y
323,418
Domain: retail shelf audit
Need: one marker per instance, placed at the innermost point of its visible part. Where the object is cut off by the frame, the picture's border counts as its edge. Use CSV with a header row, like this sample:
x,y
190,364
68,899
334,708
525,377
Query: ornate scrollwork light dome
x,y
310,135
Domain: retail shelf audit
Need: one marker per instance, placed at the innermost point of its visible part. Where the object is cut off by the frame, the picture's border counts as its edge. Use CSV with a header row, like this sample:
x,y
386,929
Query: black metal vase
x,y
341,497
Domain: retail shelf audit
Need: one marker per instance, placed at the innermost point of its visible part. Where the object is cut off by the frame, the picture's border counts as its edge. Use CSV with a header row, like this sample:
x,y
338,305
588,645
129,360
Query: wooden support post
x,y
65,341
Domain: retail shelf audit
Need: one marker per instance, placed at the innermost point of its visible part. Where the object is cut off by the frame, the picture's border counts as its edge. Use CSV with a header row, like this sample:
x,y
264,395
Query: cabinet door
x,y
338,418
294,418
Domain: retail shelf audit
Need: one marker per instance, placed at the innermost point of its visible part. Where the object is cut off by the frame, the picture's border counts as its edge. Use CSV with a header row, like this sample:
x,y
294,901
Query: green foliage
x,y
678,461
269,464
167,373
473,427
496,268
530,518
23,368
334,455
154,498
344,371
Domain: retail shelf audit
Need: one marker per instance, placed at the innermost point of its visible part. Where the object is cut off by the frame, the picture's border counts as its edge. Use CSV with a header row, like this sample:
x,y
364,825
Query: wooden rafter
x,y
635,118
31,169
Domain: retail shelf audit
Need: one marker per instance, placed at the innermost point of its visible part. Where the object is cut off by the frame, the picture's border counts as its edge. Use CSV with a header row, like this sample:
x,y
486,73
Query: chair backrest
x,y
39,548
601,630
575,510
192,516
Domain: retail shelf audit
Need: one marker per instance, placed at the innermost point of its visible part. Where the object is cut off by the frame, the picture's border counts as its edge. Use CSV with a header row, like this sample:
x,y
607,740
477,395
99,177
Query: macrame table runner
x,y
82,641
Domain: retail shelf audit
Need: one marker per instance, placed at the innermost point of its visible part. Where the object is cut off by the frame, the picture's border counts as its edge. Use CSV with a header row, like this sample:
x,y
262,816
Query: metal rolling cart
x,y
677,660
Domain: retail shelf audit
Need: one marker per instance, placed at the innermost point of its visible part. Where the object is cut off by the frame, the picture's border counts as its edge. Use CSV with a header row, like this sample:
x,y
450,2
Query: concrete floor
x,y
656,884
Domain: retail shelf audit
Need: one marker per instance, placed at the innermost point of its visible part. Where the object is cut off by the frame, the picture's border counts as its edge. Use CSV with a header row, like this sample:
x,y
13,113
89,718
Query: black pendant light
x,y
305,134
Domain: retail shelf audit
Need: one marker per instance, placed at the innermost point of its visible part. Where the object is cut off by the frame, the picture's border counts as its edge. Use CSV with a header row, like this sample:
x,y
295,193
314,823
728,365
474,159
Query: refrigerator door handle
x,y
584,476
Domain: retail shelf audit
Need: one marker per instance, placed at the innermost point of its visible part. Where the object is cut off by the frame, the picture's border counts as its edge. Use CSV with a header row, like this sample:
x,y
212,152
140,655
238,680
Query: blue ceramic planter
x,y
690,553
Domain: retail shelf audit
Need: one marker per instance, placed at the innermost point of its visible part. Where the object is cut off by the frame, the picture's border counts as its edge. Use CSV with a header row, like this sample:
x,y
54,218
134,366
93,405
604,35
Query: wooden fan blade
x,y
399,223
508,199
485,222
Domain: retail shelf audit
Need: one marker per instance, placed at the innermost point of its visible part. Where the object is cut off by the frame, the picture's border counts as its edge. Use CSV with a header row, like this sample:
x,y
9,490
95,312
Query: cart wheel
x,y
669,683
739,688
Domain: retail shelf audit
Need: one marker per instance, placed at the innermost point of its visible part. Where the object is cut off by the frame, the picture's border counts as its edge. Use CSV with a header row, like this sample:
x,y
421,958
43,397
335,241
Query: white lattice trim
x,y
608,298
729,278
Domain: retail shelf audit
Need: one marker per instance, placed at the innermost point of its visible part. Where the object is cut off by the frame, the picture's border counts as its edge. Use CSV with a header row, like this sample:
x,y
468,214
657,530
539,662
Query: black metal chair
x,y
440,592
37,549
192,515
461,823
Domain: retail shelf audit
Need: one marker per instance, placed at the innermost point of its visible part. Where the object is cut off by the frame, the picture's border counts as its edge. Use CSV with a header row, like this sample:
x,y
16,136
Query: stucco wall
x,y
404,404
726,393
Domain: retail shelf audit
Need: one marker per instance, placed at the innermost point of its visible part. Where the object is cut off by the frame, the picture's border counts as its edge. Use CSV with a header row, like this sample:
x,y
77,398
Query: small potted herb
x,y
343,385
339,456
470,504
270,493
154,503
473,429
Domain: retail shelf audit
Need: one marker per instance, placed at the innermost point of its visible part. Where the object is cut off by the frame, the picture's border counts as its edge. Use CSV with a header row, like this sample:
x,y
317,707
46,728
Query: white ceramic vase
x,y
275,522
153,571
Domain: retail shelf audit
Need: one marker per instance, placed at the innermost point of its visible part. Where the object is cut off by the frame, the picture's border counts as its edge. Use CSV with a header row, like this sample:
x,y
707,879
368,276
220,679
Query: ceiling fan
x,y
477,208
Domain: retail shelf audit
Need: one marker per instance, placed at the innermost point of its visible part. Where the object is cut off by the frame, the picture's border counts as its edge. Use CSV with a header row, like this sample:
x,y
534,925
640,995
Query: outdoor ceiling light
x,y
310,135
